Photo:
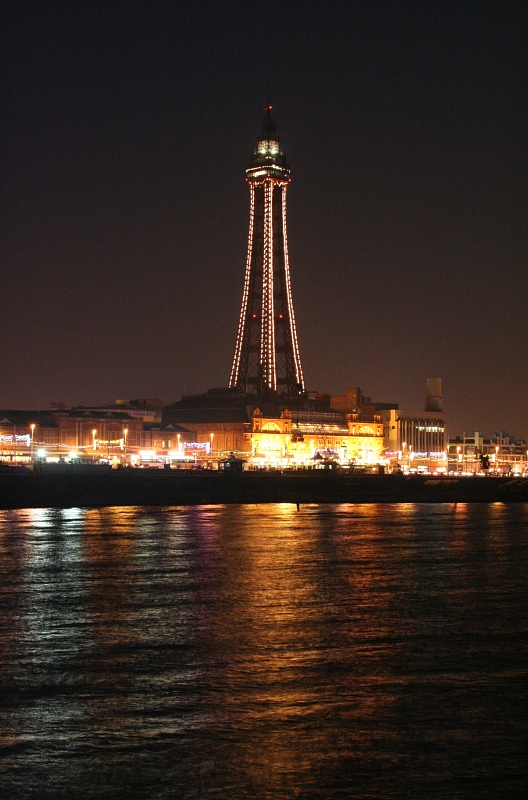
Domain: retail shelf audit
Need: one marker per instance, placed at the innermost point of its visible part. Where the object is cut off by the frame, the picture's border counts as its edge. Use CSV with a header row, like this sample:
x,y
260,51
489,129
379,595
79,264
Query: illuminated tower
x,y
266,352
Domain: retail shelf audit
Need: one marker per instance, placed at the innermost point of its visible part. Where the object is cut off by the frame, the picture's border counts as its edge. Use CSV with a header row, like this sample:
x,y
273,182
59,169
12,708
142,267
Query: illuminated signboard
x,y
206,446
22,439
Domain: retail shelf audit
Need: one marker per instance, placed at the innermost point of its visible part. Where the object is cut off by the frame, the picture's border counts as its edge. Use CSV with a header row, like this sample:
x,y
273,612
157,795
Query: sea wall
x,y
126,487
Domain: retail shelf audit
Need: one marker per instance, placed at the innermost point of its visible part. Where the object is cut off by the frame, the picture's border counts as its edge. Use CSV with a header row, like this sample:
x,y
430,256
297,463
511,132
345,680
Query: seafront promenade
x,y
98,487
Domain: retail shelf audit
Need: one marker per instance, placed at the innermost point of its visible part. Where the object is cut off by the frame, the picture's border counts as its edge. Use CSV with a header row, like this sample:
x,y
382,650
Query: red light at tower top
x,y
267,352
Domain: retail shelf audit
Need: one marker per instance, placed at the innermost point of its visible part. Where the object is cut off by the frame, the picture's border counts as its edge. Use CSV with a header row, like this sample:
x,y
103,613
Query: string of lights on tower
x,y
267,357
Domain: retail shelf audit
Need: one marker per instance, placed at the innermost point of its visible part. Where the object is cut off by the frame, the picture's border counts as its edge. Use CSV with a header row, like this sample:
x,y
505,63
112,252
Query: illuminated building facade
x,y
267,355
415,439
271,434
103,432
77,433
219,419
308,438
501,454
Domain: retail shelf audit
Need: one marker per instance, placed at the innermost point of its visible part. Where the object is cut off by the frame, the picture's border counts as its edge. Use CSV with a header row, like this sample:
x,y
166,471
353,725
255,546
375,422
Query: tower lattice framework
x,y
267,352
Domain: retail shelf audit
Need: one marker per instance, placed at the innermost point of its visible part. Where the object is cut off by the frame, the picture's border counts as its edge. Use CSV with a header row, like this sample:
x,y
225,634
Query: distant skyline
x,y
126,132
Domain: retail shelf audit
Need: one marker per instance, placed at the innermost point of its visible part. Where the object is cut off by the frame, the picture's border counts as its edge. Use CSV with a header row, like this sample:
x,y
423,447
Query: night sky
x,y
126,131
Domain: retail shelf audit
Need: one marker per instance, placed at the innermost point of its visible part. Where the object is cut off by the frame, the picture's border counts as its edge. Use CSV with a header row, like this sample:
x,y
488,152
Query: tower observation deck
x,y
267,355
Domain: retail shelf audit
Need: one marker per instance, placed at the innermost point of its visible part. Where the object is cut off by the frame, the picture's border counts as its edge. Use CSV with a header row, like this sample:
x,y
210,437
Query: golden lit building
x,y
308,438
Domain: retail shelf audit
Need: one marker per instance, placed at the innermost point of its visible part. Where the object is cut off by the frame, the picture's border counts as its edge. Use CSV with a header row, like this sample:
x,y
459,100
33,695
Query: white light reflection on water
x,y
256,651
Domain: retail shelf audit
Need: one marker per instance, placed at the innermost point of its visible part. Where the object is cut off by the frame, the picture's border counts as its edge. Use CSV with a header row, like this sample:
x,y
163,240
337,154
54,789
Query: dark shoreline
x,y
97,488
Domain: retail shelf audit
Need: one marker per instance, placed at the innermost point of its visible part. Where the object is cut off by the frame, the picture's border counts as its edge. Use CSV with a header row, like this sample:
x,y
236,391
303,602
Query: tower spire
x,y
267,352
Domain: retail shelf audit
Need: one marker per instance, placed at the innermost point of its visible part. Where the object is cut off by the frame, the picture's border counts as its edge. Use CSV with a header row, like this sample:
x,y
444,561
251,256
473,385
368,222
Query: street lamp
x,y
94,434
212,437
125,434
32,426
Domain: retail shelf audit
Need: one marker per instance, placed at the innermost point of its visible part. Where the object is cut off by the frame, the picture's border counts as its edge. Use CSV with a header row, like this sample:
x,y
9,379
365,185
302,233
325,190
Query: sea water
x,y
345,651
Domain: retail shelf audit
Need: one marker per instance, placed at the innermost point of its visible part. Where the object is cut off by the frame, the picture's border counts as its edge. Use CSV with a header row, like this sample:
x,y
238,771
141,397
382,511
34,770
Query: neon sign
x,y
22,439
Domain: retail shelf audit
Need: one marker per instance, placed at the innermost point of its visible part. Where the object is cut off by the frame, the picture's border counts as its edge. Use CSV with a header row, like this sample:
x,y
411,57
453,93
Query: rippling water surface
x,y
370,651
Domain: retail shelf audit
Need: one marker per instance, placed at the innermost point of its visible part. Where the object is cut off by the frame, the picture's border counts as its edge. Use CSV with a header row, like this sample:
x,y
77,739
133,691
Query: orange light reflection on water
x,y
281,673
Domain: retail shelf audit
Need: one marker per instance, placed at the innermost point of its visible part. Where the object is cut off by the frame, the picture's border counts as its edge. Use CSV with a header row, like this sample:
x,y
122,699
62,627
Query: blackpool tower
x,y
267,356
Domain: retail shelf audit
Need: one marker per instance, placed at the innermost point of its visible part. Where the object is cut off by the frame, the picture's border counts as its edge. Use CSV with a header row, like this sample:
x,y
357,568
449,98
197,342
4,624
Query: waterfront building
x,y
307,438
270,434
500,454
18,434
267,358
415,440
68,433
220,420
98,434
506,455
165,444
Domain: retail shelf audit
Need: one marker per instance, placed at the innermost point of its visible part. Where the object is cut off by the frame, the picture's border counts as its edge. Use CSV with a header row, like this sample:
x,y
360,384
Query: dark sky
x,y
126,131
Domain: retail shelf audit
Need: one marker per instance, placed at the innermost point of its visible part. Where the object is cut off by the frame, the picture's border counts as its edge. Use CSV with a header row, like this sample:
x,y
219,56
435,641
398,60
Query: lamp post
x,y
125,434
32,426
94,434
212,437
